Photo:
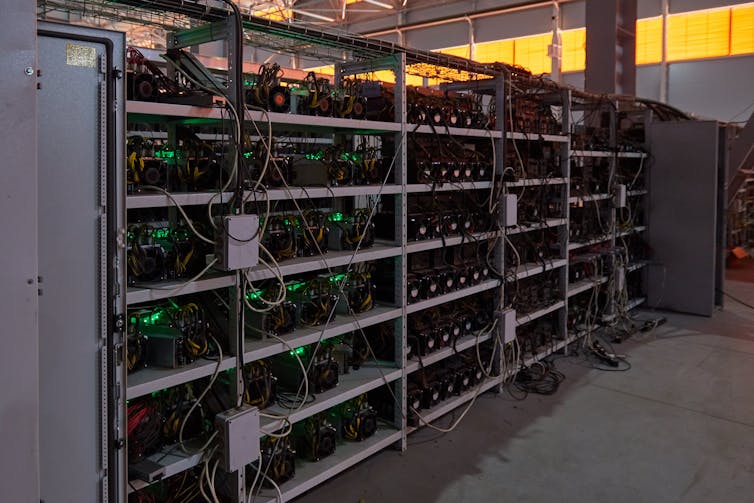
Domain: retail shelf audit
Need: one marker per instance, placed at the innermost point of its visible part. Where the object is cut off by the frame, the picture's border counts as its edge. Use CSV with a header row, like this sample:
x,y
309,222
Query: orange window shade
x,y
501,51
573,55
274,13
414,80
648,40
324,70
461,50
702,34
742,29
531,53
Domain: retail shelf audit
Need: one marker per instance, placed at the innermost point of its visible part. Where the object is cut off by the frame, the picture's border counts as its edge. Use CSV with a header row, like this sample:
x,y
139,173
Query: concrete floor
x,y
679,426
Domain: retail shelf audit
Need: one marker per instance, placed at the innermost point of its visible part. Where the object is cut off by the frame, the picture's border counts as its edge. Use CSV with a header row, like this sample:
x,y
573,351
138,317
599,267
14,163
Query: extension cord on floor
x,y
600,351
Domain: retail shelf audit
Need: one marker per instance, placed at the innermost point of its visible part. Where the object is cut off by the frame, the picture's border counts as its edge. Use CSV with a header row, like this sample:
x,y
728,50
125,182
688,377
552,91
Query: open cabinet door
x,y
684,216
79,154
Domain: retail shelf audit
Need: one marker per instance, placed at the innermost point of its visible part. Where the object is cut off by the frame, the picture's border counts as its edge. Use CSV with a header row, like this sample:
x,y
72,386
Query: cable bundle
x,y
540,378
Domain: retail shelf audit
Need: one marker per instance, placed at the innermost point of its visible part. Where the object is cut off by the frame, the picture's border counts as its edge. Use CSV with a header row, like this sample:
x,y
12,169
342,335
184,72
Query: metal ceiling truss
x,y
300,38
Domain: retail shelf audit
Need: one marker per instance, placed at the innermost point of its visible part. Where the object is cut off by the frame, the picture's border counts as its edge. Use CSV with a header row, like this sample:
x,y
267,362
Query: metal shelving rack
x,y
375,56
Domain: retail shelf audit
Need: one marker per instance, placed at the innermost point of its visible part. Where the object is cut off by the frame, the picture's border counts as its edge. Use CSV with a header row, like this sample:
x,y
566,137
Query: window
x,y
531,53
742,29
574,50
648,40
460,50
699,34
497,51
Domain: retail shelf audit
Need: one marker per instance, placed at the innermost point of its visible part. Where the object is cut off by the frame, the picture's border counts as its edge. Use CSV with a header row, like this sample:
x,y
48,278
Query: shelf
x,y
146,380
636,265
635,230
172,460
554,348
463,343
589,198
347,454
584,285
576,245
592,153
522,320
447,186
142,111
449,297
157,200
549,223
442,408
515,135
256,349
147,292
326,192
632,155
349,386
528,182
533,268
606,153
453,131
330,259
634,303
637,192
432,244
163,135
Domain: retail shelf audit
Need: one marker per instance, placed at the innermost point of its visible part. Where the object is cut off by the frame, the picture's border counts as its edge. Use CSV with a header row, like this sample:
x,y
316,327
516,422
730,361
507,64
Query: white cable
x,y
174,290
641,165
279,497
182,212
476,346
198,400
477,391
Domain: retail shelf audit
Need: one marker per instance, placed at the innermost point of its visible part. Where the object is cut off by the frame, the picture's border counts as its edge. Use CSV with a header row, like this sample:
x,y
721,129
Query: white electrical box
x,y
237,242
509,325
619,196
238,432
510,210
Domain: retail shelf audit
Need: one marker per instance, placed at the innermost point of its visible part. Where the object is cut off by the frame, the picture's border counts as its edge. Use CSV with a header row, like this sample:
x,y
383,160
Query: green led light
x,y
316,156
165,154
248,154
133,320
298,351
161,233
255,295
296,286
336,217
337,278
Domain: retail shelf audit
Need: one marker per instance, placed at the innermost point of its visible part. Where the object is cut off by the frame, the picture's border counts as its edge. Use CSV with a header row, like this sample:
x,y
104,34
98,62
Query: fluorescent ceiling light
x,y
379,4
315,16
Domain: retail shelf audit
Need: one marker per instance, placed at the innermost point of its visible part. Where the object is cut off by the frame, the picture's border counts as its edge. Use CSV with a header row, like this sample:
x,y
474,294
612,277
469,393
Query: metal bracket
x,y
199,35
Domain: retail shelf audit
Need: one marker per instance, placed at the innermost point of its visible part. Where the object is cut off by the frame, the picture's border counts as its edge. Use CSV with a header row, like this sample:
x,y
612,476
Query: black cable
x,y
540,378
736,299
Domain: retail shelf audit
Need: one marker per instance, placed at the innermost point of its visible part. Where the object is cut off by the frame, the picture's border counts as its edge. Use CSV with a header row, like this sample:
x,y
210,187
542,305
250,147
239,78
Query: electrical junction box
x,y
508,319
619,196
237,242
238,432
510,210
